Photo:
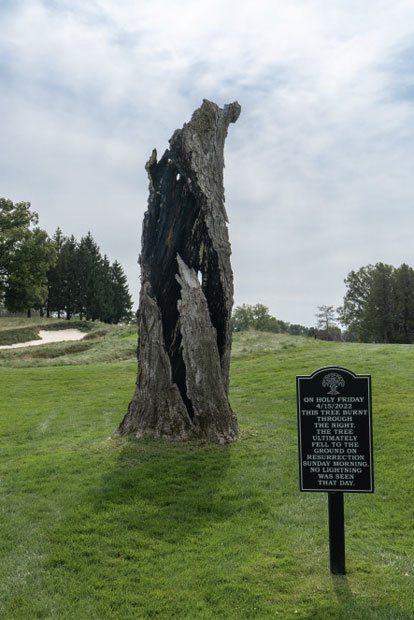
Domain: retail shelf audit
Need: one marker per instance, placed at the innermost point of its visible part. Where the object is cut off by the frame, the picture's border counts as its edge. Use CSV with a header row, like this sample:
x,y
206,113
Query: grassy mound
x,y
21,334
126,530
256,343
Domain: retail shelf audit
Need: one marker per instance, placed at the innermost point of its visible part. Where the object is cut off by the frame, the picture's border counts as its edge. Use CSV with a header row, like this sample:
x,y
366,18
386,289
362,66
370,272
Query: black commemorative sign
x,y
335,431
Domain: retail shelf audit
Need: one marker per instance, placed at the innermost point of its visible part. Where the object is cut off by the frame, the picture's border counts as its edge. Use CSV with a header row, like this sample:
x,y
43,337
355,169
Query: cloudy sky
x,y
319,172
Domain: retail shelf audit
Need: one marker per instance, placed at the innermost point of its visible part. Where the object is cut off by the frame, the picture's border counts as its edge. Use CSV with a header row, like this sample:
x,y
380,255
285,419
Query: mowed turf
x,y
93,528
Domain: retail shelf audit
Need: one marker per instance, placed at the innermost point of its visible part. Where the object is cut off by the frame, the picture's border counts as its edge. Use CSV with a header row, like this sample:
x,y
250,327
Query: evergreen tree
x,y
404,304
121,299
55,277
106,293
379,314
69,273
83,282
90,299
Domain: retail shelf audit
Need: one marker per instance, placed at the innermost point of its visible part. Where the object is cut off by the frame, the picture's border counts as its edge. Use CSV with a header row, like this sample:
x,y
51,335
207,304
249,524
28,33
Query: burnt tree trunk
x,y
186,294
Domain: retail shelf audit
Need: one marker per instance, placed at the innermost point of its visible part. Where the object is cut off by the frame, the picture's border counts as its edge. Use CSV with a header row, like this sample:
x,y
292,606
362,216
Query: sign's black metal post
x,y
335,443
336,532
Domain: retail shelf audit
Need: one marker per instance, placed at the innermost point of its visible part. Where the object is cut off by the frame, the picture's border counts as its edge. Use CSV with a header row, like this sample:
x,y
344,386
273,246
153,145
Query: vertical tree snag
x,y
187,290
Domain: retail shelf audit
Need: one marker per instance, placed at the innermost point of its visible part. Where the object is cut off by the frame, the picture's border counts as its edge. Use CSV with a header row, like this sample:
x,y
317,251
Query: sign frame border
x,y
371,452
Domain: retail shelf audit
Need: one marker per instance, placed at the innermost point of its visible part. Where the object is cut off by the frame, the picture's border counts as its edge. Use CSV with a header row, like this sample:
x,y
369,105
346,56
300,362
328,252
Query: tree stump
x,y
186,296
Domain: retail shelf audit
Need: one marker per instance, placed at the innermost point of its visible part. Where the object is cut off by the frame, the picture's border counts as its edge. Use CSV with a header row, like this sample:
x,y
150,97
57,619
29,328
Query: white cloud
x,y
318,167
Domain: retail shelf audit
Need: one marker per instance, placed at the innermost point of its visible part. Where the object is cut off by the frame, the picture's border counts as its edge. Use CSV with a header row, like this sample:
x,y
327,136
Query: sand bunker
x,y
46,336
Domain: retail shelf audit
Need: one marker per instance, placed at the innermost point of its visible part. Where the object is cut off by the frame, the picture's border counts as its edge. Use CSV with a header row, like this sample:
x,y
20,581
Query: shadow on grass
x,y
343,592
351,608
131,529
164,489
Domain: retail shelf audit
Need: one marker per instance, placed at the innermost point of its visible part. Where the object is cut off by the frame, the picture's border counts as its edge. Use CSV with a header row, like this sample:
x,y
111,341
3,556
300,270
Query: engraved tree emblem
x,y
333,381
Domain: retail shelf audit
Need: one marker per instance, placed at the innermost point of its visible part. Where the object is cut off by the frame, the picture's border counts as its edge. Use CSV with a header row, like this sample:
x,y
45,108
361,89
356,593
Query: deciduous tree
x,y
379,304
15,222
353,313
254,317
326,319
27,281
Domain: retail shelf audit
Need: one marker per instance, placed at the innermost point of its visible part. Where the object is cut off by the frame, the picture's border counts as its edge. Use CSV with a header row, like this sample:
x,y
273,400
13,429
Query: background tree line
x,y
57,276
82,282
257,317
379,304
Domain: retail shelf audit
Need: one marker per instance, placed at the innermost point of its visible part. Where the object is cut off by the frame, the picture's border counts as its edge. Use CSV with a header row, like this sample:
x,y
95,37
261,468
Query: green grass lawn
x,y
103,529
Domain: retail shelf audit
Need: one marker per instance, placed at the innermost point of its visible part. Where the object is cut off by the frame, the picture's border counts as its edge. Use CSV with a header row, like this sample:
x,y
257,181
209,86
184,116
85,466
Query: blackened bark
x,y
184,324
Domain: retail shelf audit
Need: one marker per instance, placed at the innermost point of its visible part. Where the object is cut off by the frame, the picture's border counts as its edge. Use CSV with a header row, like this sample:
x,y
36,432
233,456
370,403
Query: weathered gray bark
x,y
184,325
